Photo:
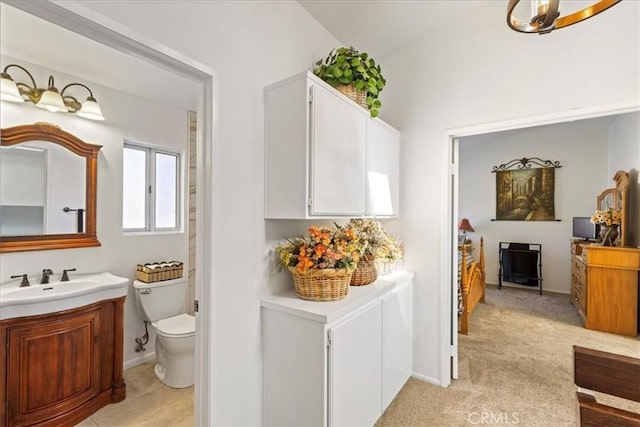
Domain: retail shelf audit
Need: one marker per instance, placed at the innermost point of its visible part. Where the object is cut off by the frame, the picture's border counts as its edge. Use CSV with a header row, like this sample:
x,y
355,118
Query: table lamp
x,y
465,226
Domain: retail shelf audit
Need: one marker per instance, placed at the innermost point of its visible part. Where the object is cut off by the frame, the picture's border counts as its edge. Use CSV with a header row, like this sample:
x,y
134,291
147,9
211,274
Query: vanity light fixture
x,y
50,99
544,15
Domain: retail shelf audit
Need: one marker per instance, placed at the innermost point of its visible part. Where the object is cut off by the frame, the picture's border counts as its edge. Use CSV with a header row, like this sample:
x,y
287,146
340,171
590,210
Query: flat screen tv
x,y
583,228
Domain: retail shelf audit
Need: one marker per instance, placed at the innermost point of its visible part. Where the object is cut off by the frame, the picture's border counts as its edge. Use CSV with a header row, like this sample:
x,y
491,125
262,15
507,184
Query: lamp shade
x,y
9,90
91,110
465,225
52,101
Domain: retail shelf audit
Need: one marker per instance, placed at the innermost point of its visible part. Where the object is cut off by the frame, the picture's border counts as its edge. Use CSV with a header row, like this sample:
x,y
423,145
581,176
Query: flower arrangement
x,y
607,217
371,236
392,250
323,248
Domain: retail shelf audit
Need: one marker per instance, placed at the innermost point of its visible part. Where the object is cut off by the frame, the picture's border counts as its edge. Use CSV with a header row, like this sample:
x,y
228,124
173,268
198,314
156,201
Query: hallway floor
x,y
148,403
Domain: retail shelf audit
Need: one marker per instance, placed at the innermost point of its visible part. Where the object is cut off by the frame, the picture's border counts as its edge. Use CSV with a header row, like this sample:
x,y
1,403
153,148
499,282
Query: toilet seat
x,y
182,325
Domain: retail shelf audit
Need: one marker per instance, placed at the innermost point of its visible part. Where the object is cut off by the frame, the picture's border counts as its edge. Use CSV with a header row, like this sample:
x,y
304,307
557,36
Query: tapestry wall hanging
x,y
524,193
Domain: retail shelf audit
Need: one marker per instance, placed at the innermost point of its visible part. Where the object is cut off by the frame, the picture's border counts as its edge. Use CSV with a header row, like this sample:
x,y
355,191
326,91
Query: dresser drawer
x,y
579,270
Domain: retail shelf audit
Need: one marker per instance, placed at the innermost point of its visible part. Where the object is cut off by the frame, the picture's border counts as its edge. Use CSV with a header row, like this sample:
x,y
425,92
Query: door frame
x,y
86,22
449,198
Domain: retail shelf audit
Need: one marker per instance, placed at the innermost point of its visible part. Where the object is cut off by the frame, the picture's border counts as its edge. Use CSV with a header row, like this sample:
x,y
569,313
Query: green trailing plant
x,y
345,65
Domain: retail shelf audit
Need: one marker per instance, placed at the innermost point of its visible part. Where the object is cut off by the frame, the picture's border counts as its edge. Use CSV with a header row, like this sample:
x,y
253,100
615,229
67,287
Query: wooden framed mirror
x,y
617,198
43,169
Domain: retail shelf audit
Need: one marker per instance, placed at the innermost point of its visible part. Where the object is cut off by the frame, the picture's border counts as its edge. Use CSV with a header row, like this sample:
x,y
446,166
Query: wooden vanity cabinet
x,y
60,368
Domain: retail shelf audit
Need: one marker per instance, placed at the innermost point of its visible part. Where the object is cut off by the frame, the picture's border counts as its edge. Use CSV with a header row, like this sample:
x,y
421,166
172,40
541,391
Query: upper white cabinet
x,y
338,152
324,155
383,169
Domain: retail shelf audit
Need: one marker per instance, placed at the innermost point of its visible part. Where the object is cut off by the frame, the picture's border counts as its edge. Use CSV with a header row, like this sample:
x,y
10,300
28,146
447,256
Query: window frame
x,y
150,187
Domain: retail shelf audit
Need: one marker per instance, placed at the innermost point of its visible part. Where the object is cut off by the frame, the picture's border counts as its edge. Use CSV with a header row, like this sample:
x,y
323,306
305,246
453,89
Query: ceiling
x,y
27,38
380,27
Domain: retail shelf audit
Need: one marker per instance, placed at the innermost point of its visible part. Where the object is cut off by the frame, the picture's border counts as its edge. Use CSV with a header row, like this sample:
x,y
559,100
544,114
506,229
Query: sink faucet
x,y
25,280
65,276
45,276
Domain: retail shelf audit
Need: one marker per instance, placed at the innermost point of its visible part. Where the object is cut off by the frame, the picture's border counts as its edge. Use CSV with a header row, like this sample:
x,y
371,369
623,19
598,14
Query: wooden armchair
x,y
610,374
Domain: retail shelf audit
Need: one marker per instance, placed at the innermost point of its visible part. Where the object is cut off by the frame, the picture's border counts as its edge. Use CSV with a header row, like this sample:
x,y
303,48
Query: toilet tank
x,y
161,300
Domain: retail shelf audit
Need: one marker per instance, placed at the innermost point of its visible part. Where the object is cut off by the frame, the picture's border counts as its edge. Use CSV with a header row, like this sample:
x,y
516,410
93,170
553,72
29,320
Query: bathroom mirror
x,y
47,189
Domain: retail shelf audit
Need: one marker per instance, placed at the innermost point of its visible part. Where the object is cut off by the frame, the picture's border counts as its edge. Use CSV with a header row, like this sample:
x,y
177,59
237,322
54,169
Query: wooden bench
x,y
610,374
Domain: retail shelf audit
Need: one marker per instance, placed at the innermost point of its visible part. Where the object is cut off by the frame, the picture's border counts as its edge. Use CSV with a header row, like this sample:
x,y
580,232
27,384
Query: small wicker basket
x,y
365,274
159,271
321,284
385,266
359,96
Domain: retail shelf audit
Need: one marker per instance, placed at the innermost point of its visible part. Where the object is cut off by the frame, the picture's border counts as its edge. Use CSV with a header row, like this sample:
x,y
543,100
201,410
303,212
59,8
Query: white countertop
x,y
328,311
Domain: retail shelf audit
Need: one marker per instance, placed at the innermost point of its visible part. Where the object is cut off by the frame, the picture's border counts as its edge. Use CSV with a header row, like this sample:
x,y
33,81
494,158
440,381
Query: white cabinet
x,y
383,169
336,363
324,155
355,359
338,142
397,349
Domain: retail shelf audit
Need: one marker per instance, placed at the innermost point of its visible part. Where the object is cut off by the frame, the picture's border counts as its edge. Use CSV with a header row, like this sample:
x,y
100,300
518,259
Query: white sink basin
x,y
81,290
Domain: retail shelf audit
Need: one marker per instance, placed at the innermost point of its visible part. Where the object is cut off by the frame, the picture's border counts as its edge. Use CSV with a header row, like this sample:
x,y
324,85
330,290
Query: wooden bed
x,y
471,282
610,374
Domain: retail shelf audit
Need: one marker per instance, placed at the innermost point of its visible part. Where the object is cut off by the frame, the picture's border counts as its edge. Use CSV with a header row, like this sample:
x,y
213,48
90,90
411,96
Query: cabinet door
x,y
383,164
397,357
338,139
355,369
52,367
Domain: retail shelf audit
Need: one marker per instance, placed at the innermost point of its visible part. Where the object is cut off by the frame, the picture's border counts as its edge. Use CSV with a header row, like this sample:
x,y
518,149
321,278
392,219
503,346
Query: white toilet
x,y
164,304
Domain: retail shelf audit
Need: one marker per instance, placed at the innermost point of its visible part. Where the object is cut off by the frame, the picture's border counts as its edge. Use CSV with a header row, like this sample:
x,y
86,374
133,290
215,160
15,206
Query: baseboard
x,y
426,379
530,288
143,358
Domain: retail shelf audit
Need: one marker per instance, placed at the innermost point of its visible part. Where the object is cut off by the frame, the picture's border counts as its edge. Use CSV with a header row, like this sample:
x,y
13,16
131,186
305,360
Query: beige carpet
x,y
515,367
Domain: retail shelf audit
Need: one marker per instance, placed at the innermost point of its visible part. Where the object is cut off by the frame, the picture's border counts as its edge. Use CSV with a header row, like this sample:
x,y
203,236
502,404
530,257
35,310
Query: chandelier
x,y
545,16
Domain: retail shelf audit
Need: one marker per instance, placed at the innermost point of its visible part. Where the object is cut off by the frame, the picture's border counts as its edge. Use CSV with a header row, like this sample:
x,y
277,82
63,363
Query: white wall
x,y
479,71
249,44
118,254
580,147
460,76
624,154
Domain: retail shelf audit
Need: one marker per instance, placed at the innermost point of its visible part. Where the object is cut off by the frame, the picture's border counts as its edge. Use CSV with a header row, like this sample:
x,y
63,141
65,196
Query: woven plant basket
x,y
365,274
359,96
321,284
385,266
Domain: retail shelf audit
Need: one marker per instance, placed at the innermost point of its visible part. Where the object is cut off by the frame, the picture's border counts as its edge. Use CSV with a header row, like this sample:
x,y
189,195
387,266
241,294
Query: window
x,y
150,189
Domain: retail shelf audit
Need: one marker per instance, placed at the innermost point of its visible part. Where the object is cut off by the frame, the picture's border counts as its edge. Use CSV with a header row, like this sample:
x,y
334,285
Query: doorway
x,y
449,345
81,21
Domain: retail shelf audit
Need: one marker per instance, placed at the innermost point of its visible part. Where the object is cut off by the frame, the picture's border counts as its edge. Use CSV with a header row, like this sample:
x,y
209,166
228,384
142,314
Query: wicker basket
x,y
359,96
384,266
159,271
321,284
365,274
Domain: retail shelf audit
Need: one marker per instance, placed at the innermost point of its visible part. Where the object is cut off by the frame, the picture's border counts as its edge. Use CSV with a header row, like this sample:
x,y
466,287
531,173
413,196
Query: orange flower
x,y
324,247
304,263
319,250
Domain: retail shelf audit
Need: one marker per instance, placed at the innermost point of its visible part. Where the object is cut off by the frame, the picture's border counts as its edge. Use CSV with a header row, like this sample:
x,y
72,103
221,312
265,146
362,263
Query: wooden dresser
x,y
604,287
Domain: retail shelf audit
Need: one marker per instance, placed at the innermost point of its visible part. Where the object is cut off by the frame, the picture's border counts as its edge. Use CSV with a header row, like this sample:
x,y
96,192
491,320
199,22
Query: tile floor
x,y
148,403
